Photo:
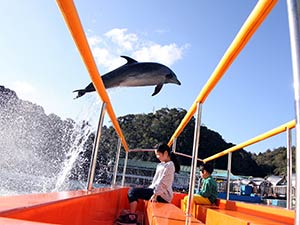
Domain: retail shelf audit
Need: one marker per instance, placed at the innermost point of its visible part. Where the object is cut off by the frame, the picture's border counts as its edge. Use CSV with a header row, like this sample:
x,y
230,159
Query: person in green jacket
x,y
209,189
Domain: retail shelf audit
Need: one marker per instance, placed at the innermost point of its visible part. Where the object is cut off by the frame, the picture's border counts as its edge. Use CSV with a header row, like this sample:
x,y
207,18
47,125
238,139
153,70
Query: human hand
x,y
153,198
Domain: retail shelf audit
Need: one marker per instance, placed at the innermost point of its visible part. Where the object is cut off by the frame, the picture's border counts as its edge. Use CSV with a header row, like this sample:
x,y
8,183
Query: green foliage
x,y
146,130
51,139
274,162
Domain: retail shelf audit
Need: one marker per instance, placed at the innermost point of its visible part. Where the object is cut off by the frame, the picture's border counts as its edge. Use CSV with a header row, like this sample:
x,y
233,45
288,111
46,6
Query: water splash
x,y
62,182
81,135
38,151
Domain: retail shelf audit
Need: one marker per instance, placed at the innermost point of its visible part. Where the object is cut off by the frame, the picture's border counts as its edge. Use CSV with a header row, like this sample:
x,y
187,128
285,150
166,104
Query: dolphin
x,y
133,74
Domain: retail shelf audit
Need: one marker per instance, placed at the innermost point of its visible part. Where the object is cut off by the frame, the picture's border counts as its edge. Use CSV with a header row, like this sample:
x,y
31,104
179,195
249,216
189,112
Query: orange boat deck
x,y
102,206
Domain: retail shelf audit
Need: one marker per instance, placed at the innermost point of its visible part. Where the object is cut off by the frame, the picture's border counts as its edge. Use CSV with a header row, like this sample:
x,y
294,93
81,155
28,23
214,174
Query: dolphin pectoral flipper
x,y
157,88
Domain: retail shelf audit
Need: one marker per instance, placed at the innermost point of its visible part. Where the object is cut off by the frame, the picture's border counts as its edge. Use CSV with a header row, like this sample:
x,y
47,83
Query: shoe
x,y
127,219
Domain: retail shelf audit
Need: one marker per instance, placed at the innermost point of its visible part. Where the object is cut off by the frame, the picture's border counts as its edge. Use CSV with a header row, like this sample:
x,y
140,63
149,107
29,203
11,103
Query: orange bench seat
x,y
167,214
221,216
240,213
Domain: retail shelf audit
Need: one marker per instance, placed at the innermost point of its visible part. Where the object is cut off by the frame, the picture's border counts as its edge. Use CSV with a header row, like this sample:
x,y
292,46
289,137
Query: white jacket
x,y
163,180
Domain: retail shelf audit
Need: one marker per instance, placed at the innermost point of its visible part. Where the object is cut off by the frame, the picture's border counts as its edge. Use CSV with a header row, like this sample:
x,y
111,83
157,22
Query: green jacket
x,y
209,189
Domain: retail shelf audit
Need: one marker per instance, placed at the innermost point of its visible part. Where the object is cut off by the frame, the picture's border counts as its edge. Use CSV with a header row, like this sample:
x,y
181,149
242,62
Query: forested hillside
x,y
26,131
274,162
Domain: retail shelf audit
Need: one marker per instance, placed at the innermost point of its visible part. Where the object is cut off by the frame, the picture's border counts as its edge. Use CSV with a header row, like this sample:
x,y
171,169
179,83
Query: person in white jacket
x,y
160,189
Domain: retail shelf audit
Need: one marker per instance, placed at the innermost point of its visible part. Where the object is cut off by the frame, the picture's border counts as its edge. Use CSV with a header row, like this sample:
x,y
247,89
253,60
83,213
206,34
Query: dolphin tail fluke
x,y
157,89
80,93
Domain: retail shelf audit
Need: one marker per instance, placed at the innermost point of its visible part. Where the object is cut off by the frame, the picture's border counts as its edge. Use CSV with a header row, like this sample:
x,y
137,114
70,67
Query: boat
x,y
102,205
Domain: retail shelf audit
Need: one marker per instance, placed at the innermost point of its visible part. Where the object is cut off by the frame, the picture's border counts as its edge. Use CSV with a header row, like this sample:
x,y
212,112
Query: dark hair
x,y
208,167
162,147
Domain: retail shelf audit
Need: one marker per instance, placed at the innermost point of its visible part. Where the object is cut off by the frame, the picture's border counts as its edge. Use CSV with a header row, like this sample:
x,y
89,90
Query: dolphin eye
x,y
169,76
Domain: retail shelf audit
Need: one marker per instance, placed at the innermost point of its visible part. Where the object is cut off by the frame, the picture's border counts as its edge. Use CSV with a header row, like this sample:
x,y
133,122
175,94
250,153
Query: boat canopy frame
x,y
257,16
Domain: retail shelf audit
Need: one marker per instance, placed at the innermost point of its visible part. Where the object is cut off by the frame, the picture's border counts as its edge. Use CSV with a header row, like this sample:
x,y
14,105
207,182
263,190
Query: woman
x,y
161,188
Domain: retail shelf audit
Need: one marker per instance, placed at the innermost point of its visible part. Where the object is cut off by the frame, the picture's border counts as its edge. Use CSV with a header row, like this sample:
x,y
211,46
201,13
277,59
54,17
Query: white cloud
x,y
108,48
105,58
166,54
94,40
122,39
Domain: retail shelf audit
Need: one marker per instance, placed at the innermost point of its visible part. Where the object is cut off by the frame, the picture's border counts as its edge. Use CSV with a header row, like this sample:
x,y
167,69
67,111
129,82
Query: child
x,y
209,189
161,188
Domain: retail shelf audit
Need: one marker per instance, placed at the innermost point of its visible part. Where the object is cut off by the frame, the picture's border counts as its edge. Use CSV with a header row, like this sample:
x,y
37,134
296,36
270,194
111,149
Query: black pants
x,y
142,193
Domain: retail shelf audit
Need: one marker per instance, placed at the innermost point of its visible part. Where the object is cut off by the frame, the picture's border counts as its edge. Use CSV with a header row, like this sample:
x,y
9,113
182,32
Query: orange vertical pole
x,y
72,20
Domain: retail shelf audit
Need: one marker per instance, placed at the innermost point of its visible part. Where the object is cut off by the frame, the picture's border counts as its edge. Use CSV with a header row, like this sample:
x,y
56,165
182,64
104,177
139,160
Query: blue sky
x,y
40,62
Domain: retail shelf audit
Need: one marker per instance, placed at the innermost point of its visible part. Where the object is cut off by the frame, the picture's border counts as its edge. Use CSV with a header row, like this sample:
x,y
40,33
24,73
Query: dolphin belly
x,y
141,81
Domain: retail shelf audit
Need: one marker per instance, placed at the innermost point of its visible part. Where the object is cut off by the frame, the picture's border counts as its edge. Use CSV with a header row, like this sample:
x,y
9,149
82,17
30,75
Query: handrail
x,y
187,156
254,140
293,8
71,17
254,20
141,150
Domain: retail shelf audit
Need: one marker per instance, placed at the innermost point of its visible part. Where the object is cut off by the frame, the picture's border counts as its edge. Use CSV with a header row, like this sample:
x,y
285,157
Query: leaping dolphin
x,y
133,74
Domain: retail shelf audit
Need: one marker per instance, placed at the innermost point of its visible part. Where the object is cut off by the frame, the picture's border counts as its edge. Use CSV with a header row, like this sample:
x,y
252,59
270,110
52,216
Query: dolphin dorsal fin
x,y
129,60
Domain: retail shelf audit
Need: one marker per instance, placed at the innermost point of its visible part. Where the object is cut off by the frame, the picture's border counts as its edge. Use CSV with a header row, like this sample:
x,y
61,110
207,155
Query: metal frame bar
x,y
141,150
117,163
194,159
228,175
95,149
124,168
174,145
293,7
188,156
289,165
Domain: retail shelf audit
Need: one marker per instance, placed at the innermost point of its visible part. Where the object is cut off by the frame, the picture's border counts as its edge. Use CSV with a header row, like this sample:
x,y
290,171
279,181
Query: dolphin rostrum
x,y
133,74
